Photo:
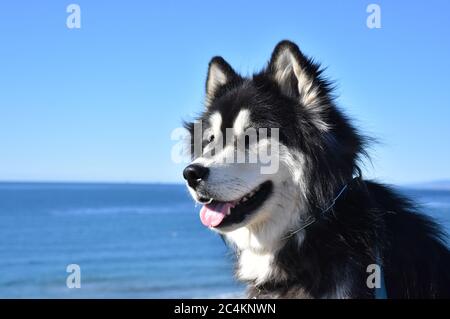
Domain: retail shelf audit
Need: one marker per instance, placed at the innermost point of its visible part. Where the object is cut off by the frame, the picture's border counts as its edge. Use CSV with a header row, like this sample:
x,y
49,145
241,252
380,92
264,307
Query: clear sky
x,y
99,103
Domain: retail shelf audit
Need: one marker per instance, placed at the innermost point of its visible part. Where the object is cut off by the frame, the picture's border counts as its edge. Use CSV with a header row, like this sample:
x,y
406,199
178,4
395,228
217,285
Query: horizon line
x,y
131,182
43,181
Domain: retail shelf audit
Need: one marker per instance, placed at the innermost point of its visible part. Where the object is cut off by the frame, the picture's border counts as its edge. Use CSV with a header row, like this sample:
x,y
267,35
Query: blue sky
x,y
99,103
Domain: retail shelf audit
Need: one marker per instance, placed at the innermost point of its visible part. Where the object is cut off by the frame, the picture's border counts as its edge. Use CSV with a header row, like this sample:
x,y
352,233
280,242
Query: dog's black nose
x,y
194,174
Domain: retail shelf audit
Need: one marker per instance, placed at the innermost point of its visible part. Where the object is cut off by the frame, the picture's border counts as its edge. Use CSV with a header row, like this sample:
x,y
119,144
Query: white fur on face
x,y
241,122
215,121
228,180
258,238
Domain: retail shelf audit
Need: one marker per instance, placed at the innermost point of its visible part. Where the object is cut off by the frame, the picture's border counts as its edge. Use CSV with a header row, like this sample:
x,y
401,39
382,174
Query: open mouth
x,y
221,214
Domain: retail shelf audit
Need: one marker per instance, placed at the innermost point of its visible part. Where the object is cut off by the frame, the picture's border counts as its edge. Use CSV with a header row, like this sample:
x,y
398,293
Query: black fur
x,y
369,222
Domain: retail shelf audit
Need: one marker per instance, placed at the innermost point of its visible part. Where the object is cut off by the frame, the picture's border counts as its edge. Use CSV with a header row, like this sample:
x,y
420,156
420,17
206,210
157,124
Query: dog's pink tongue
x,y
212,215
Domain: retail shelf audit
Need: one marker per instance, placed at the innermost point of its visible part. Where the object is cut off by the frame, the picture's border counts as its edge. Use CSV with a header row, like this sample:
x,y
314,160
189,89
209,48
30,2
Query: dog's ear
x,y
219,74
296,75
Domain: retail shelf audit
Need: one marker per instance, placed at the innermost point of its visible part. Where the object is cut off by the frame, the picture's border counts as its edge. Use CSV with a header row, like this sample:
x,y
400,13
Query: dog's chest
x,y
254,266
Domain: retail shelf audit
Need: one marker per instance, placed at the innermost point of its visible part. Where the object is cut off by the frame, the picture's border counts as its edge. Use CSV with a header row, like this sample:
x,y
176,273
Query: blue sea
x,y
130,241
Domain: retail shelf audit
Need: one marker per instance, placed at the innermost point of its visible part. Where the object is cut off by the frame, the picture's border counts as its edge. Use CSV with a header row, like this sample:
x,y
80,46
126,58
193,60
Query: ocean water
x,y
130,241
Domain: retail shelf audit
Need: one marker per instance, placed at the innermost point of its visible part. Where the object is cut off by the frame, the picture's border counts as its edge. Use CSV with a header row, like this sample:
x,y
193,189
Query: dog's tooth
x,y
244,199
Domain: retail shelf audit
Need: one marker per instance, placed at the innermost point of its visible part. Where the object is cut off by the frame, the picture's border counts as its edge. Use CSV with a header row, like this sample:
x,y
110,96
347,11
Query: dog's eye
x,y
211,138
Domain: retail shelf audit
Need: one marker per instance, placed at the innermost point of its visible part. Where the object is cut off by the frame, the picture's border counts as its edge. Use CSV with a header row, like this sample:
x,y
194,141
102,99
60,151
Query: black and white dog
x,y
311,227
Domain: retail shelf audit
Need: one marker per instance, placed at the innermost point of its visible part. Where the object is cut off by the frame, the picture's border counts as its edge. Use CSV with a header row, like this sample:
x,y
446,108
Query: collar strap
x,y
312,219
